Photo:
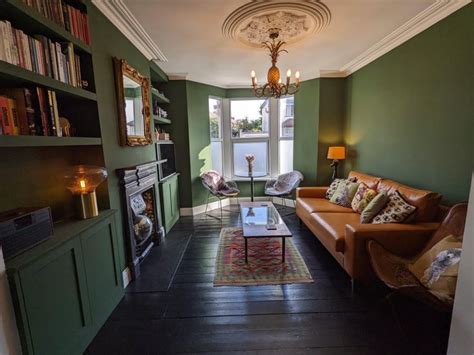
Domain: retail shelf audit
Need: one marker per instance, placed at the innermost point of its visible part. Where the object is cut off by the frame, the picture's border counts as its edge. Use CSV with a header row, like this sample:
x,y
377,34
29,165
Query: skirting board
x,y
126,277
193,211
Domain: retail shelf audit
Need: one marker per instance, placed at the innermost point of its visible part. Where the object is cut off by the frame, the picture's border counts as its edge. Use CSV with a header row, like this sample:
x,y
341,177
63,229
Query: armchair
x,y
283,185
217,186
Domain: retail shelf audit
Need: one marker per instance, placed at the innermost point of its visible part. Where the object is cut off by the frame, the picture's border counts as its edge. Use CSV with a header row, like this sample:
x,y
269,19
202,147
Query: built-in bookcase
x,y
33,166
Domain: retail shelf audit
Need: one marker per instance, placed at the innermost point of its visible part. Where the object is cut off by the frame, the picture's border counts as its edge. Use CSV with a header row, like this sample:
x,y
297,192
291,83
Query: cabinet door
x,y
56,301
174,197
167,207
104,283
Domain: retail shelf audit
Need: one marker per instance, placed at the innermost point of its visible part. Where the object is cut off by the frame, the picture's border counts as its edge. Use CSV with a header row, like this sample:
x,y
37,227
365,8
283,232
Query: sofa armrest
x,y
314,192
404,240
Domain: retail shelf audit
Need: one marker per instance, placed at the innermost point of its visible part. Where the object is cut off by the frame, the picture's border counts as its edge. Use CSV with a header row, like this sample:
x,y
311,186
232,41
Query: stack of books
x,y
70,18
33,112
40,54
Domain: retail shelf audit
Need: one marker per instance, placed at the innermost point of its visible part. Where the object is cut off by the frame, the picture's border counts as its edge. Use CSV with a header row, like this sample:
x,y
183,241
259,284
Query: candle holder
x,y
82,181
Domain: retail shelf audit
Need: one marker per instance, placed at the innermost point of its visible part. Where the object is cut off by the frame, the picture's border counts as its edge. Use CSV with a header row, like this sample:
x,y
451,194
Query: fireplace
x,y
140,203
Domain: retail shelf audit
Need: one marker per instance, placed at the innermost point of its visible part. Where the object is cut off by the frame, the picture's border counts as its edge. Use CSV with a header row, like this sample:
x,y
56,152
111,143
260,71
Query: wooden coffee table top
x,y
256,216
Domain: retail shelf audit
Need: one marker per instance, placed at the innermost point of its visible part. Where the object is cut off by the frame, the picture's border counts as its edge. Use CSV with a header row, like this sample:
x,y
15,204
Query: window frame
x,y
221,128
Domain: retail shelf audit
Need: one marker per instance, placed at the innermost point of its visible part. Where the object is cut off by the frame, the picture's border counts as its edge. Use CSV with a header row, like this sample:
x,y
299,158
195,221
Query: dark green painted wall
x,y
108,42
410,113
331,124
305,151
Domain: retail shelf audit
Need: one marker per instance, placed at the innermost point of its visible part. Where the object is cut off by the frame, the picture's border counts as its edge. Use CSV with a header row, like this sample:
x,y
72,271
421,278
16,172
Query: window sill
x,y
241,179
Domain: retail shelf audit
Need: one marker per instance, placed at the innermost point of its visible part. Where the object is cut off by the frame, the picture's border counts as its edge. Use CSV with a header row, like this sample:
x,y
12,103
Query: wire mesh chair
x,y
284,185
217,186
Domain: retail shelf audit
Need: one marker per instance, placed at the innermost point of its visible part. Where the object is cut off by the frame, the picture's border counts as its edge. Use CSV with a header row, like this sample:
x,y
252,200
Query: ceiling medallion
x,y
296,20
274,87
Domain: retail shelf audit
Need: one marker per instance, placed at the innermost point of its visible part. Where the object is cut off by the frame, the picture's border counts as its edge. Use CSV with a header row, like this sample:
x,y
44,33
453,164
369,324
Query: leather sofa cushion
x,y
426,202
320,205
333,227
371,181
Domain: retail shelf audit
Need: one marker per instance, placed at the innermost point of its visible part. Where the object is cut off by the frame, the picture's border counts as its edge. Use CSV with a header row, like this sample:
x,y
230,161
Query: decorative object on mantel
x,y
336,154
82,180
274,86
250,159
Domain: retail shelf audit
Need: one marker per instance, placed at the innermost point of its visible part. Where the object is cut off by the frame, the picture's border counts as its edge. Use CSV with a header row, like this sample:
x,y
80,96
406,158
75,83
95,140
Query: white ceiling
x,y
189,34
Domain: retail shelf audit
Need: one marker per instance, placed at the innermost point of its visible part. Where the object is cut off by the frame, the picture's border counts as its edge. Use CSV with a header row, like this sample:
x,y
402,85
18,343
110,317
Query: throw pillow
x,y
344,193
333,187
437,269
396,211
362,198
374,207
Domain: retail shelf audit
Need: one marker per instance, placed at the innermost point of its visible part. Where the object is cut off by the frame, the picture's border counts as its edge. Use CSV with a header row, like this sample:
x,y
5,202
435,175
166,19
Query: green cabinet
x,y
169,201
65,288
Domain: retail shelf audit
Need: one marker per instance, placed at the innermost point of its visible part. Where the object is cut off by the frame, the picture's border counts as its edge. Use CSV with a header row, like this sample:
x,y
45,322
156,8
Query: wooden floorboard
x,y
175,308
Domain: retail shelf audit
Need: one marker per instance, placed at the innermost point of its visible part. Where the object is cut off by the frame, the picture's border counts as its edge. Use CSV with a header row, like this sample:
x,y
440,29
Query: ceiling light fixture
x,y
274,86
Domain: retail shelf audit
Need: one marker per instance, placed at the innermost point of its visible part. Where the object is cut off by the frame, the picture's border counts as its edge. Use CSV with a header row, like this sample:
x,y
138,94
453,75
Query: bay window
x,y
263,127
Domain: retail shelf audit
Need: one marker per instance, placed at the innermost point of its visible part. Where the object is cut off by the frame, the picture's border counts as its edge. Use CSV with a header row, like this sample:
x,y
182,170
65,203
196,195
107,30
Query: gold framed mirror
x,y
133,98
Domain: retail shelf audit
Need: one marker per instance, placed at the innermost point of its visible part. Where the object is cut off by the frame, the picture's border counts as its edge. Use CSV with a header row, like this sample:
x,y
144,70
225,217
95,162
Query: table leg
x,y
251,188
246,253
283,249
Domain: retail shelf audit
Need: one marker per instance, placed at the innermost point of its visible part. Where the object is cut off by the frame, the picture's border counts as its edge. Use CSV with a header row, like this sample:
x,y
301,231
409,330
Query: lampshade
x,y
83,179
337,153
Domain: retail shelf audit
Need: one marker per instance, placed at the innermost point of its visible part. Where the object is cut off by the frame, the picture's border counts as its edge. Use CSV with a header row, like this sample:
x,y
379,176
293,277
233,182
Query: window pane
x,y
215,118
286,156
260,164
287,110
249,118
216,156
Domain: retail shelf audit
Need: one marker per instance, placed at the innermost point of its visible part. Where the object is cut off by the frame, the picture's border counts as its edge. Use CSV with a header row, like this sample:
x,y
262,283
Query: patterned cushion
x,y
437,269
396,211
333,187
362,198
344,193
374,207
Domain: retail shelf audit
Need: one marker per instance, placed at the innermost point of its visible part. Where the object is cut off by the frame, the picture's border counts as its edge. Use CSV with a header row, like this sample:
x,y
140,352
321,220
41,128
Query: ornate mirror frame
x,y
122,68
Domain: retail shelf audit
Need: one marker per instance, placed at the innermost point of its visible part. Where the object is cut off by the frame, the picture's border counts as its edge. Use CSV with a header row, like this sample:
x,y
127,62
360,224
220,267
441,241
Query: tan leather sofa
x,y
339,230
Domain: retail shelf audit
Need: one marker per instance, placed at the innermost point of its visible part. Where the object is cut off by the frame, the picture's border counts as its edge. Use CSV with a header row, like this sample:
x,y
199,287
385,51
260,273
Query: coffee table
x,y
261,220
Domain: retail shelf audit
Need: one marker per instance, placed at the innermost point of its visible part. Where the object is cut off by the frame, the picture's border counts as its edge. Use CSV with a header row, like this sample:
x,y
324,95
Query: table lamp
x,y
82,180
336,154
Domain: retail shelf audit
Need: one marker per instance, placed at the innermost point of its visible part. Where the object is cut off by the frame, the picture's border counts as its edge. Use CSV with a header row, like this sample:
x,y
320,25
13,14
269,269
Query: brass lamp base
x,y
86,205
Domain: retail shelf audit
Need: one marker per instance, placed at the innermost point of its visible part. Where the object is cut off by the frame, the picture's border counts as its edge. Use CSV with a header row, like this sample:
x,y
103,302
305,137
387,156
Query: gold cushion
x,y
437,269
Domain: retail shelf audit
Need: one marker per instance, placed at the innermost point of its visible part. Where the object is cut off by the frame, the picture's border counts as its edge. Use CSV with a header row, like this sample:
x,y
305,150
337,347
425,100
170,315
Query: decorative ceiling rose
x,y
274,87
251,23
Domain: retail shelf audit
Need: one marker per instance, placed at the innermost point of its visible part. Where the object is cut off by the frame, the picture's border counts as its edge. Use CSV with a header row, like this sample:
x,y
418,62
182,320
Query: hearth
x,y
140,212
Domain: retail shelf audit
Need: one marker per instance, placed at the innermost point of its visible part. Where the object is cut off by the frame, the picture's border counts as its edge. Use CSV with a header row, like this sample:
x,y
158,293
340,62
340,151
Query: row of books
x,y
73,20
40,54
25,111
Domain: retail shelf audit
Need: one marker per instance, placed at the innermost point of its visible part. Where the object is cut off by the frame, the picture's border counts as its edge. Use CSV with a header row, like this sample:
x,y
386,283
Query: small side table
x,y
251,177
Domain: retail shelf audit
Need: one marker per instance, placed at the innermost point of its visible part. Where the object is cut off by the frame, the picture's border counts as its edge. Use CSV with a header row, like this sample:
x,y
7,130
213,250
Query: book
x,y
18,95
13,117
7,125
43,111
59,131
51,119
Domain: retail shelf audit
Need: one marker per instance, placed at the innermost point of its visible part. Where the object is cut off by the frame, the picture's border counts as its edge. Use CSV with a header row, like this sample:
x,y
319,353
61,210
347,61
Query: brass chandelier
x,y
274,86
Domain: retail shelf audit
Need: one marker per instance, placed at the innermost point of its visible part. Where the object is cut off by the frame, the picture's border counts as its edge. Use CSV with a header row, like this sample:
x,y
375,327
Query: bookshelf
x,y
161,120
44,158
29,19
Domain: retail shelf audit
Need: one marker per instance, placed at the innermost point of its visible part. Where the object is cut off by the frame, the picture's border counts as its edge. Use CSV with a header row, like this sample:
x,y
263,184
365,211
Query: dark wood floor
x,y
326,317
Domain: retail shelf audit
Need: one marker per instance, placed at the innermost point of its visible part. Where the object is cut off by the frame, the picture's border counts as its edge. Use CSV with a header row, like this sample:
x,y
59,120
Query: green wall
x,y
410,113
306,131
108,42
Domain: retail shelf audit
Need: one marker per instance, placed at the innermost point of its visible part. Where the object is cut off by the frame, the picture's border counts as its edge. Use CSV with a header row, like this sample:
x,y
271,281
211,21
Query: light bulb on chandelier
x,y
274,86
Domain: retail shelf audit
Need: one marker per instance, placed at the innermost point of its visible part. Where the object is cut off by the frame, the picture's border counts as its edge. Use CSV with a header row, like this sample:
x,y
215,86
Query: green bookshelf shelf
x,y
17,76
46,141
31,21
159,97
161,120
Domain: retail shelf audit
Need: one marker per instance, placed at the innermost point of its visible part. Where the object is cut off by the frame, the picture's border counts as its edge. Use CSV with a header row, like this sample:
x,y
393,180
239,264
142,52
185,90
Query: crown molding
x,y
425,19
119,14
177,76
332,74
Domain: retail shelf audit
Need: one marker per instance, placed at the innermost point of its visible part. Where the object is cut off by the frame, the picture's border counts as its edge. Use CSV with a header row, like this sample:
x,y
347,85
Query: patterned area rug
x,y
264,261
